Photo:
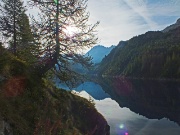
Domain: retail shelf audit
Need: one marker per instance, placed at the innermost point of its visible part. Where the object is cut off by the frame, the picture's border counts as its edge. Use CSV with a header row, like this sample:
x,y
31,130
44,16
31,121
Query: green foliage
x,y
32,105
29,102
11,15
15,28
10,65
151,55
27,50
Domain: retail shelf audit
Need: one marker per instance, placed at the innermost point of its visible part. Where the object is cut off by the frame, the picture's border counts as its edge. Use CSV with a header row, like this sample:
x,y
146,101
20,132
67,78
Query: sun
x,y
70,31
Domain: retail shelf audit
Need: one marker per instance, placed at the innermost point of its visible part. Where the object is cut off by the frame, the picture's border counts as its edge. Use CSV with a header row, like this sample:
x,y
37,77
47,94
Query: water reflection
x,y
123,121
140,107
150,98
93,89
136,107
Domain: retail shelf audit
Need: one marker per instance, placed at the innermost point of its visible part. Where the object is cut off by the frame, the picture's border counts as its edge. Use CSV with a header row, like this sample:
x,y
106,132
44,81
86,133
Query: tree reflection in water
x,y
150,98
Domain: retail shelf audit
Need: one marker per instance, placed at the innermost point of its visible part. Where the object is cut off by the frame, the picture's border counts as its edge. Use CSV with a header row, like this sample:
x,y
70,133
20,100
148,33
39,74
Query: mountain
x,y
173,26
155,54
98,53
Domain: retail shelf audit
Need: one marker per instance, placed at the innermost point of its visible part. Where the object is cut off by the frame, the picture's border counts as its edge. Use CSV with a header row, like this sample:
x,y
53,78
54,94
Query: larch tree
x,y
63,32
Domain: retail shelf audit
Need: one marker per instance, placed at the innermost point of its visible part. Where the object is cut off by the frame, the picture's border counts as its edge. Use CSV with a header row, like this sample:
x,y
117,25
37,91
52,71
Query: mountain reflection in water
x,y
151,98
136,107
93,89
139,107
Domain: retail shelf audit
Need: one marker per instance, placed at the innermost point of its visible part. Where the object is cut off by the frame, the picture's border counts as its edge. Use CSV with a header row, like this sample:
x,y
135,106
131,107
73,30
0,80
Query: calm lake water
x,y
136,107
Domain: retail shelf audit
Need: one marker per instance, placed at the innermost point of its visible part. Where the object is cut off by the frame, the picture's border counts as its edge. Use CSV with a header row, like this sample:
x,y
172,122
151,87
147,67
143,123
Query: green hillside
x,y
154,54
32,105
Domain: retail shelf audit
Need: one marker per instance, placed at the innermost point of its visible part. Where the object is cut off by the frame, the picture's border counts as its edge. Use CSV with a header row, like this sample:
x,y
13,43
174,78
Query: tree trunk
x,y
14,27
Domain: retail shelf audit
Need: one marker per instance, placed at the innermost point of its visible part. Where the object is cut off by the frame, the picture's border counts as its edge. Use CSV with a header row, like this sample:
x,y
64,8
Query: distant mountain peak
x,y
98,52
173,26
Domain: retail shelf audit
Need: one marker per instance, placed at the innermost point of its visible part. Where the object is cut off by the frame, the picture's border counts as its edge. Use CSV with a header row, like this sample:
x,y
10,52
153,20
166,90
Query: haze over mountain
x,y
99,52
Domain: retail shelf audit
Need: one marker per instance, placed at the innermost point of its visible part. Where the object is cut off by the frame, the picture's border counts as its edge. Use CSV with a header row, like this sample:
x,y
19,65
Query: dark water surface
x,y
136,107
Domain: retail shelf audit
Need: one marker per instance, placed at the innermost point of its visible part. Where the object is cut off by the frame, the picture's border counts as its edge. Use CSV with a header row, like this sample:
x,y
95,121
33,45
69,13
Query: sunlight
x,y
70,30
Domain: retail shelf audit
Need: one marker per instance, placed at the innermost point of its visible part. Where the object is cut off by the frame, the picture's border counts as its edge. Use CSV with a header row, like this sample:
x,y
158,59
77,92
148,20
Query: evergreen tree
x,y
11,11
27,48
15,27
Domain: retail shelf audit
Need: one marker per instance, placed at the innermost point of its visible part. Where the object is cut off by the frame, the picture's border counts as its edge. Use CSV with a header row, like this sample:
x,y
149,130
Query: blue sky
x,y
123,19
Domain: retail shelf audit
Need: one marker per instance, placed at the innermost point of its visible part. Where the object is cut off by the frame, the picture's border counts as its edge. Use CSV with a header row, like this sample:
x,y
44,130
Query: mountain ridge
x,y
173,26
154,54
98,52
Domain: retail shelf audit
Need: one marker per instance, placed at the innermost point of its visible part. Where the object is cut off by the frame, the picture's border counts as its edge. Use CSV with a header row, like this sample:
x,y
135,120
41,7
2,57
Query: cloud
x,y
139,6
123,19
165,8
113,17
119,20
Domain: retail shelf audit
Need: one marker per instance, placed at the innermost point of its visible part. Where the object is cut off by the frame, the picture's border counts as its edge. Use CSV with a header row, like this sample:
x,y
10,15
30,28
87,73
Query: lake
x,y
136,107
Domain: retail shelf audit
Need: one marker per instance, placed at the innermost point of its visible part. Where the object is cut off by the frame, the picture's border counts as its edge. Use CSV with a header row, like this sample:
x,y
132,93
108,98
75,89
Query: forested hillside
x,y
154,54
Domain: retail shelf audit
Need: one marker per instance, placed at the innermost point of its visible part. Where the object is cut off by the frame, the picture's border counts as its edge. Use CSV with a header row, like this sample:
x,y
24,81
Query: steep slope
x,y
153,54
98,53
32,105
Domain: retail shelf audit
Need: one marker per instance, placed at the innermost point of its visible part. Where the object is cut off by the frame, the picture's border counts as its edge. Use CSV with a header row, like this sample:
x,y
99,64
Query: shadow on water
x,y
150,98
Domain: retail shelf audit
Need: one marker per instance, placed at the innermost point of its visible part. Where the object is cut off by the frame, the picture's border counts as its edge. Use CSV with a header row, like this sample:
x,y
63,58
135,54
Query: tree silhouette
x,y
59,47
11,12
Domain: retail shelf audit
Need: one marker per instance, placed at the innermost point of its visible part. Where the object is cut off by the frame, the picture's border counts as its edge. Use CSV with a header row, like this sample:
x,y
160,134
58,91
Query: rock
x,y
5,128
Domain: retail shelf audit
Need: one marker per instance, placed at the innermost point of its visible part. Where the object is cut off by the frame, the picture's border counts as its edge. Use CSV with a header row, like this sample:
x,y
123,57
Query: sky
x,y
124,19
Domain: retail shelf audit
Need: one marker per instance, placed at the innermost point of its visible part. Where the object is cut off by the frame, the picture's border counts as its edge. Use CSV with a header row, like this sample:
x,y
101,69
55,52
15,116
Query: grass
x,y
34,106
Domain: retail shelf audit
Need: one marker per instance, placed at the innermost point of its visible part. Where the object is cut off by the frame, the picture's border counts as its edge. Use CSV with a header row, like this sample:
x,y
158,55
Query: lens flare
x,y
121,126
121,129
126,133
70,30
